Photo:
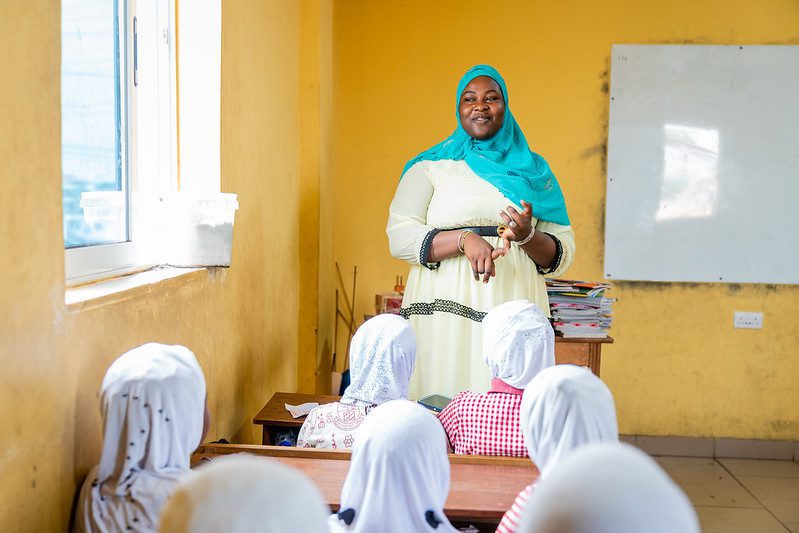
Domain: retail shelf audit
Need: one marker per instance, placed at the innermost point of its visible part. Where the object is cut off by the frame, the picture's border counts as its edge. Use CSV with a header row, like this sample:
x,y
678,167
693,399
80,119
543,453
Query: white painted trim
x,y
90,263
200,56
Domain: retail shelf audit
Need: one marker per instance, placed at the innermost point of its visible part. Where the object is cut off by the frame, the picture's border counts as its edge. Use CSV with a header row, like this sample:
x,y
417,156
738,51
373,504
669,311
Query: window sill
x,y
123,287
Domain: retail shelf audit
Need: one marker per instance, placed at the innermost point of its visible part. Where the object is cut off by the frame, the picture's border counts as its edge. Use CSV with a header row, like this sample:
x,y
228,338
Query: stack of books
x,y
579,309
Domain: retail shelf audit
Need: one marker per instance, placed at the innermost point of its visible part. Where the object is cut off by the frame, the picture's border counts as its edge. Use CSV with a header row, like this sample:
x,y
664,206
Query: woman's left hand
x,y
517,225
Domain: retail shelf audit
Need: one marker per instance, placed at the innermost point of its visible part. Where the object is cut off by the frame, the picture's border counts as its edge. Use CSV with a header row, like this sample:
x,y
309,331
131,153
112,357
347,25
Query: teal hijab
x,y
505,160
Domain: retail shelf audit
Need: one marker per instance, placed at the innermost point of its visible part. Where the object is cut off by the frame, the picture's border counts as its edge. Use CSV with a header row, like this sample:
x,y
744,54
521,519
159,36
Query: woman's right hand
x,y
481,256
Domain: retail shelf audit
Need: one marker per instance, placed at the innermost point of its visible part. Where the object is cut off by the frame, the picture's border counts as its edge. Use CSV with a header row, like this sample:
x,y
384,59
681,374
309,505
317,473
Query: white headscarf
x,y
243,494
565,407
153,405
518,342
382,357
399,474
608,488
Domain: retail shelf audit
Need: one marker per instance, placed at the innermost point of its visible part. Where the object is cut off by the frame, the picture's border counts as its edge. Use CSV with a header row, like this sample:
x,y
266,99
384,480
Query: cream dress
x,y
445,306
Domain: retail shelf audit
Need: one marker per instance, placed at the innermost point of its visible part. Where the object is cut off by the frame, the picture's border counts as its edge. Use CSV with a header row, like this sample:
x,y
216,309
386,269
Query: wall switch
x,y
748,320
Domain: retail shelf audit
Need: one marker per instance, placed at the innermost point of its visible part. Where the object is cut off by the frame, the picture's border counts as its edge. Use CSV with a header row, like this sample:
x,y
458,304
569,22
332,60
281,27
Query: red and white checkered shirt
x,y
510,521
486,423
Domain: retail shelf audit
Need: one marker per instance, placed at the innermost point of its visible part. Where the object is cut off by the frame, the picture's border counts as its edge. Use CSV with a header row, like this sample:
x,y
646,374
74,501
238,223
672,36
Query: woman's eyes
x,y
471,99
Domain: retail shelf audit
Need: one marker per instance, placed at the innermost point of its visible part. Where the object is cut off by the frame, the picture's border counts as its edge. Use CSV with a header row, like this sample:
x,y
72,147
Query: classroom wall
x,y
677,367
244,323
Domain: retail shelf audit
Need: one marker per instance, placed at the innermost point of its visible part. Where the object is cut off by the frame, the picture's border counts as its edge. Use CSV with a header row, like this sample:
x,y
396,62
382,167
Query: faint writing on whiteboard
x,y
690,182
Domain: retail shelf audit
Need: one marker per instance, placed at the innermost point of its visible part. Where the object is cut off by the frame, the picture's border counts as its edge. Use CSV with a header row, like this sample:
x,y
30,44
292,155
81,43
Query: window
x,y
118,133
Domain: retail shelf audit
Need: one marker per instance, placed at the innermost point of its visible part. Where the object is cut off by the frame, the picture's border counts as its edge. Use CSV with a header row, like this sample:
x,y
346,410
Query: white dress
x,y
445,306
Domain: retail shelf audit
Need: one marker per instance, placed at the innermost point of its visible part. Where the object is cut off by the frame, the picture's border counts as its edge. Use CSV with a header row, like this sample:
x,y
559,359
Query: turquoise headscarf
x,y
505,160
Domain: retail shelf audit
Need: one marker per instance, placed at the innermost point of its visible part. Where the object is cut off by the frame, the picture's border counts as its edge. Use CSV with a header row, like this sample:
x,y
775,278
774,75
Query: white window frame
x,y
148,121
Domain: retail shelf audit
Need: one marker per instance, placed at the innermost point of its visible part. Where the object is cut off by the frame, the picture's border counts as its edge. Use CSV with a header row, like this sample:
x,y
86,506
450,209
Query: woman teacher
x,y
481,218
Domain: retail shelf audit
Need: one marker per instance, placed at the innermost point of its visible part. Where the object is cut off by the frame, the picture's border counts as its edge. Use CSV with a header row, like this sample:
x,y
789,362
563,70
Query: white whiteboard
x,y
703,164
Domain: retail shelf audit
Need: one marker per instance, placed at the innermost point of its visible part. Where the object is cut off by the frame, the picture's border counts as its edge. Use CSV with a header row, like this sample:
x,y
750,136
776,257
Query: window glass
x,y
92,133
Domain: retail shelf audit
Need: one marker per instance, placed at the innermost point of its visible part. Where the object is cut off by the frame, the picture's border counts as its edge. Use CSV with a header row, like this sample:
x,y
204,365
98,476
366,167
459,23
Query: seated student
x,y
563,408
518,343
382,357
245,494
609,488
154,417
399,474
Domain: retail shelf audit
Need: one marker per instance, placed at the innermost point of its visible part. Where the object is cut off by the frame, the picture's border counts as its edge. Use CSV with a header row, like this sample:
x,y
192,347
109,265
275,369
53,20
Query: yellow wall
x,y
678,367
244,323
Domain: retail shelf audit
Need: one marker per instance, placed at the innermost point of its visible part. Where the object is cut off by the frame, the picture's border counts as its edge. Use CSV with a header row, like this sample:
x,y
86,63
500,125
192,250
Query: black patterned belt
x,y
483,231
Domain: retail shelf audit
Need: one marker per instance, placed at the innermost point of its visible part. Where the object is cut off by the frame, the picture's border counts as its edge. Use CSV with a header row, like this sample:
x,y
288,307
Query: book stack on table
x,y
579,308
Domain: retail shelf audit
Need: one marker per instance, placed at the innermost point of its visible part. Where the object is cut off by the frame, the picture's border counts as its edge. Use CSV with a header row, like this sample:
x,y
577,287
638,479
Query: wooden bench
x,y
482,488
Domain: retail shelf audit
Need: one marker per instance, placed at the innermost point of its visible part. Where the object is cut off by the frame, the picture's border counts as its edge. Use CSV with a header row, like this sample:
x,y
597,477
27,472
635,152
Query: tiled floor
x,y
739,495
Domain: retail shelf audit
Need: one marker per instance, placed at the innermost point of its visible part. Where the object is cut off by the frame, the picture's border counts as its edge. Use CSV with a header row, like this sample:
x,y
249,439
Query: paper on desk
x,y
300,410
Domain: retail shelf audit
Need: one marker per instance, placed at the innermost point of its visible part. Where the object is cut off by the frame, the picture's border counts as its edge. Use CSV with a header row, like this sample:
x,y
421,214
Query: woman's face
x,y
482,108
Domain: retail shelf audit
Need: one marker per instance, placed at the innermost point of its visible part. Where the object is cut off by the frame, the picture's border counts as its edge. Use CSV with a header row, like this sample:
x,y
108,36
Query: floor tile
x,y
695,470
719,495
763,487
785,509
730,520
759,467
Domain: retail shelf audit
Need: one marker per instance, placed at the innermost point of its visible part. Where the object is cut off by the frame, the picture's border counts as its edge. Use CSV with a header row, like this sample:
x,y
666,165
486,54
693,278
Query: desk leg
x,y
594,357
266,436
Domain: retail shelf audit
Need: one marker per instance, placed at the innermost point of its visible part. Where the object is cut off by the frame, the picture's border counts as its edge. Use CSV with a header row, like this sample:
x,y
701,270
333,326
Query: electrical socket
x,y
748,320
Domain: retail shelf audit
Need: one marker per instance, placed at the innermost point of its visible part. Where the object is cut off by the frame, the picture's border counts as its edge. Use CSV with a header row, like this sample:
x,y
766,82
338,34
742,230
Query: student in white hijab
x,y
245,494
564,407
608,488
154,417
399,474
518,343
382,357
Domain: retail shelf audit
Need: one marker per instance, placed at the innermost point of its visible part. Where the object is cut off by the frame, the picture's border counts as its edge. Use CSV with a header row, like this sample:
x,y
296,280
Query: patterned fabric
x,y
485,424
332,426
382,358
441,306
518,342
245,494
512,517
398,479
153,405
558,257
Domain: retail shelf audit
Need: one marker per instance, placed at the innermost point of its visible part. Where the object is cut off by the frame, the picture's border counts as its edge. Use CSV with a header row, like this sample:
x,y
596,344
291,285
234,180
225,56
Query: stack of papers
x,y
579,309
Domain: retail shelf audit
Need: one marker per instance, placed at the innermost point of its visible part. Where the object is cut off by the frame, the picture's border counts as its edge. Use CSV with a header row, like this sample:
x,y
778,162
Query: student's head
x,y
399,474
241,493
563,408
382,357
153,406
608,488
518,342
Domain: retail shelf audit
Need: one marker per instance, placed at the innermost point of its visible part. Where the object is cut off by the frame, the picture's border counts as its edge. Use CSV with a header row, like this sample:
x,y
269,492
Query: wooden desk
x,y
274,416
581,352
481,488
